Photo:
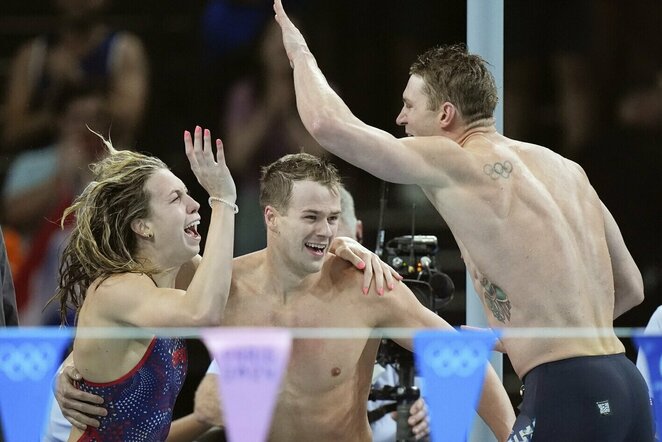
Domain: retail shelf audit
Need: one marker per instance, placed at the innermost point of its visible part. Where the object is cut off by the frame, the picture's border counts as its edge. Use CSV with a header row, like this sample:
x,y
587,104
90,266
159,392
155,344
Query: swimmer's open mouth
x,y
191,229
316,248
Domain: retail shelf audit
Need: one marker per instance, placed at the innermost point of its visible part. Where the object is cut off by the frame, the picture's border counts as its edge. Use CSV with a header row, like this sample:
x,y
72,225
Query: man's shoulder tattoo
x,y
498,169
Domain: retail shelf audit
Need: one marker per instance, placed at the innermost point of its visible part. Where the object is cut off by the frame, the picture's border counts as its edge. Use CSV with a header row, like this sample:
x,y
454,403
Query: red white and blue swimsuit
x,y
140,403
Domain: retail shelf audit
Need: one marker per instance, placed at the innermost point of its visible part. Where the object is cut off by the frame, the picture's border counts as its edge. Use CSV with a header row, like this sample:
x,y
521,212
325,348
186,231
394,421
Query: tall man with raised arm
x,y
542,249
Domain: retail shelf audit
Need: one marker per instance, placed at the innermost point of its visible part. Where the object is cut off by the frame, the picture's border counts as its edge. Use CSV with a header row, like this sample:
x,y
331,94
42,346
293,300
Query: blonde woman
x,y
136,230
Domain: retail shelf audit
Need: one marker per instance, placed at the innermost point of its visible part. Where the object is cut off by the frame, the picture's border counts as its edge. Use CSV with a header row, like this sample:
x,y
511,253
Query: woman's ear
x,y
140,228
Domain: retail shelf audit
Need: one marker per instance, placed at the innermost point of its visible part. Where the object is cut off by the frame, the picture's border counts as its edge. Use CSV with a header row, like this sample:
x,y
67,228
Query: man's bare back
x,y
542,249
524,209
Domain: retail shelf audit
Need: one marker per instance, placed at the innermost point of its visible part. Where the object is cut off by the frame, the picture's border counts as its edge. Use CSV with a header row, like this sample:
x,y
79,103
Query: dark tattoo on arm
x,y
497,300
497,170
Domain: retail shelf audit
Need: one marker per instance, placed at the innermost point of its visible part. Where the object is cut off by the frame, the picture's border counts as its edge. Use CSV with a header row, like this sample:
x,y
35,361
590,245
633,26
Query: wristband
x,y
235,208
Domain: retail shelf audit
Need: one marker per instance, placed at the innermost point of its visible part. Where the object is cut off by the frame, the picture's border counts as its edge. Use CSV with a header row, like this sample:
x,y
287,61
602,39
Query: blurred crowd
x,y
581,76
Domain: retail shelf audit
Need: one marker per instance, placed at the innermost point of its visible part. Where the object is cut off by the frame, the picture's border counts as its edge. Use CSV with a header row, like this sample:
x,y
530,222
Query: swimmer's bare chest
x,y
316,364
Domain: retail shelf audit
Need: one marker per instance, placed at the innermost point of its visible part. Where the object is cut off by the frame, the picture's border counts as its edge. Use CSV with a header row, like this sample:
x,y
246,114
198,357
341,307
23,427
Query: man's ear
x,y
447,114
140,227
271,218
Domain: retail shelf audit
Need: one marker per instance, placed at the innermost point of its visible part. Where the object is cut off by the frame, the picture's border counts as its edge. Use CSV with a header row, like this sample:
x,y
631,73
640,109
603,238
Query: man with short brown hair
x,y
541,248
295,283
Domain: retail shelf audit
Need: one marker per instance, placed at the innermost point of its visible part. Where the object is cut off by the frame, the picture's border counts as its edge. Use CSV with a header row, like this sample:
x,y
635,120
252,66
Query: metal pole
x,y
485,37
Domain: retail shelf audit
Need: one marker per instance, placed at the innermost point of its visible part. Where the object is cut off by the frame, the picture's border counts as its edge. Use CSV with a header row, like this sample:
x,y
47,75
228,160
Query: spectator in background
x,y
261,124
348,224
13,249
229,26
84,50
40,184
642,106
231,30
8,314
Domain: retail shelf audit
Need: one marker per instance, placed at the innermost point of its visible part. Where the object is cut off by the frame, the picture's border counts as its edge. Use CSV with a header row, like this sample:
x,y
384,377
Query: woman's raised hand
x,y
211,171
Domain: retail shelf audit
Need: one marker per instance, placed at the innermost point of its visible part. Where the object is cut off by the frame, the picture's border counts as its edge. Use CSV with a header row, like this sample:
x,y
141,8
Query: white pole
x,y
485,38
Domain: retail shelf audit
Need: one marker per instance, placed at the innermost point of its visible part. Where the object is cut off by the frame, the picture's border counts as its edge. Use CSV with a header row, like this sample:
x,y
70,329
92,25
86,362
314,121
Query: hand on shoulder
x,y
376,273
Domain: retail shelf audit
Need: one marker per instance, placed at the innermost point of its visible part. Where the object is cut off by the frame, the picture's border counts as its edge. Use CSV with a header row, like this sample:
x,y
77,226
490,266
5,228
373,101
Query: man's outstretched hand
x,y
293,41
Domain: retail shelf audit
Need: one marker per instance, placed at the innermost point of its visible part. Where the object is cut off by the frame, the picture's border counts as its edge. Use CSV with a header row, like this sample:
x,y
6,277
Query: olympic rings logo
x,y
498,170
455,358
26,361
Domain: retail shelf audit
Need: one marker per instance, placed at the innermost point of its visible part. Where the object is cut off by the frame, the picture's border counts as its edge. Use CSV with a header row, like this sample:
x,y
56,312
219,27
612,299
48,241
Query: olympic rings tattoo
x,y
498,170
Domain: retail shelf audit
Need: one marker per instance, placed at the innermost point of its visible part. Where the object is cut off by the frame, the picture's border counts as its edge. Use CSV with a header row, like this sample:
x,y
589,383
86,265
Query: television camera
x,y
414,257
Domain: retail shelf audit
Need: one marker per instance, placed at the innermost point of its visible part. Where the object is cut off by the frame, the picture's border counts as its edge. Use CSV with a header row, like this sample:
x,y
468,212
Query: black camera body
x,y
399,252
415,259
